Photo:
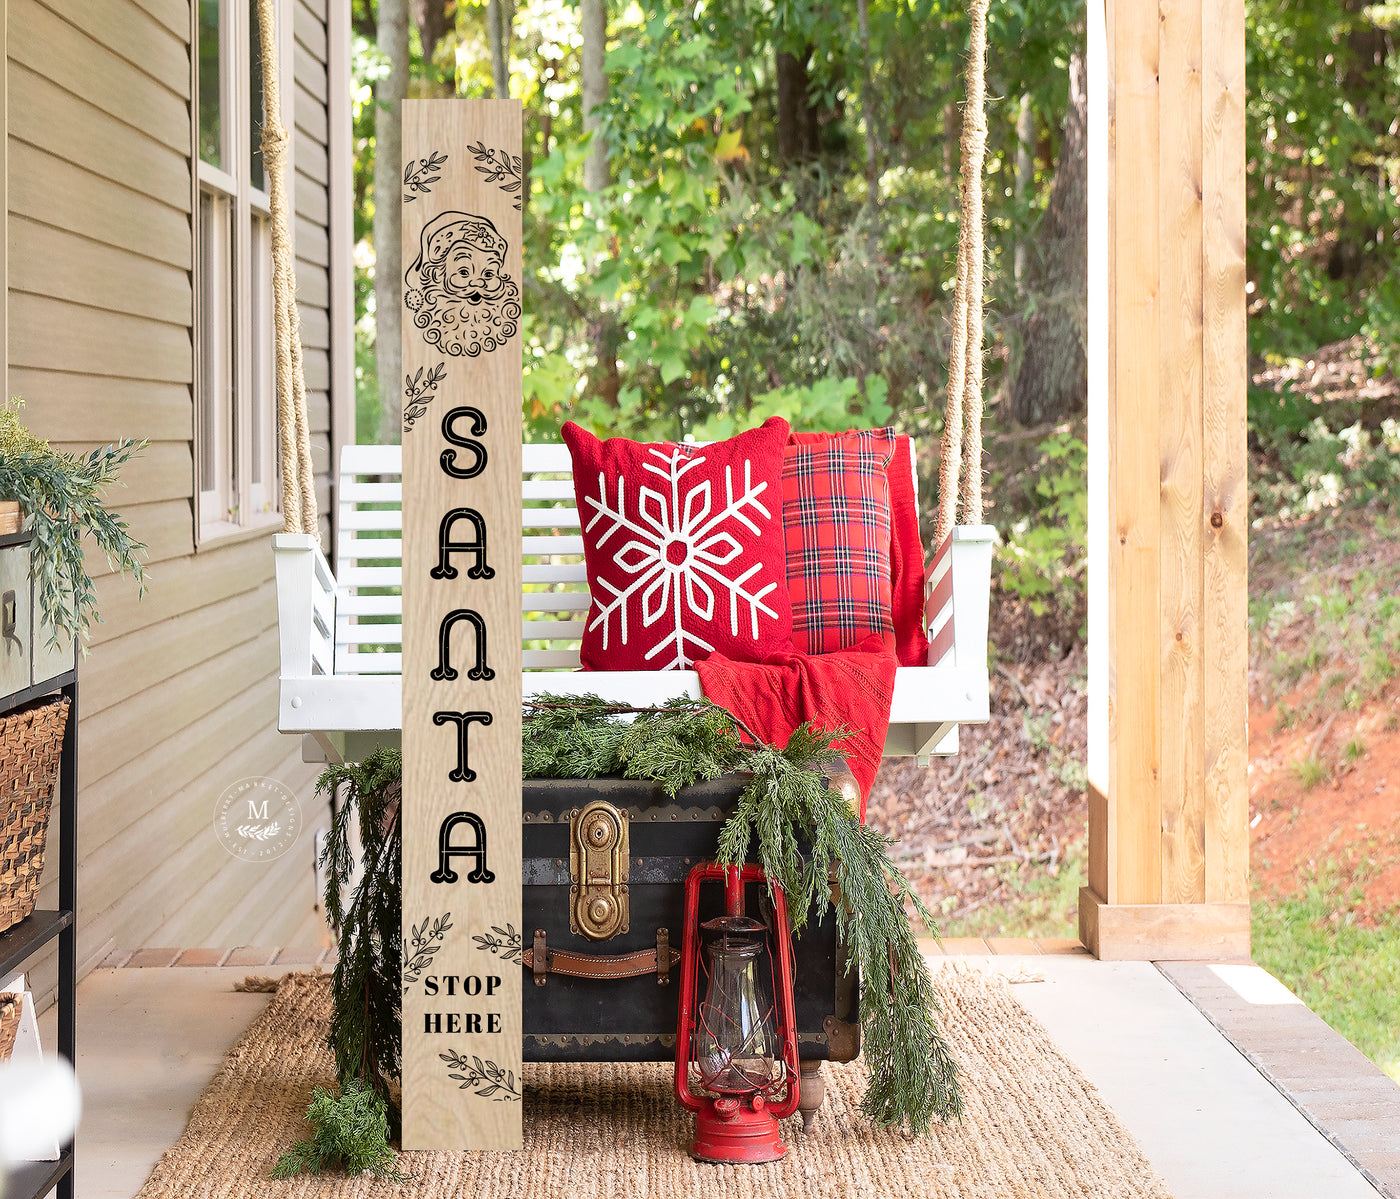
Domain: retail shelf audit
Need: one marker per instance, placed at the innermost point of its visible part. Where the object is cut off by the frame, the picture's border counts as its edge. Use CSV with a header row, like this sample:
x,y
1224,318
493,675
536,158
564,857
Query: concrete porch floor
x,y
150,1039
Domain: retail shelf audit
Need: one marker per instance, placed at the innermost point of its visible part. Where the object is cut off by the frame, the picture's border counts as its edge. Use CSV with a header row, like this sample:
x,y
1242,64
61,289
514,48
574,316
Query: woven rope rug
x,y
1035,1128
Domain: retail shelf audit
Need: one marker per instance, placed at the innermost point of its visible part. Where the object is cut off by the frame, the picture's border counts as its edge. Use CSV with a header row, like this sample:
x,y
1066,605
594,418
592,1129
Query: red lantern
x,y
742,1034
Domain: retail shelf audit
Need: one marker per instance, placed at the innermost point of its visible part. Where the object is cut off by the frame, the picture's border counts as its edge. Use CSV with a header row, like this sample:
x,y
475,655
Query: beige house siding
x,y
178,695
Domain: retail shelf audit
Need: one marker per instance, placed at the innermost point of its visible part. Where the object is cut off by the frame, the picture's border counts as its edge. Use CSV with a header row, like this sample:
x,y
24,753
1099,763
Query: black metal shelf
x,y
57,683
25,939
36,1179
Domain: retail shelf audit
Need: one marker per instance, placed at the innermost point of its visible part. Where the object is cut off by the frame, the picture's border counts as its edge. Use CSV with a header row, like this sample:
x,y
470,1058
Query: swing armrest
x,y
305,607
972,585
957,596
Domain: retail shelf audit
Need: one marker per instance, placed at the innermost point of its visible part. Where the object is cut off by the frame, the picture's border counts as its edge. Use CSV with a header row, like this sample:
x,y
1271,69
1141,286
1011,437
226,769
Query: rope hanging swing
x,y
962,418
293,424
962,415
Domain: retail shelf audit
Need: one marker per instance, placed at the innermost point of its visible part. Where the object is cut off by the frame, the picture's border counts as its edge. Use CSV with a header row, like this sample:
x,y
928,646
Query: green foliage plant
x,y
1044,555
349,1131
796,822
366,987
62,495
1324,175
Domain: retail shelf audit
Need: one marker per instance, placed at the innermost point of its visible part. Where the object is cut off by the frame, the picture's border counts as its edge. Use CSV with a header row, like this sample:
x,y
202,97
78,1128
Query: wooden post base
x,y
1163,932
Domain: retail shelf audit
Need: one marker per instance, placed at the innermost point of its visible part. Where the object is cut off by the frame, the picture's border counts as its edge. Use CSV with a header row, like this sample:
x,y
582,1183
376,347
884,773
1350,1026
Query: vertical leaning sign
x,y
461,624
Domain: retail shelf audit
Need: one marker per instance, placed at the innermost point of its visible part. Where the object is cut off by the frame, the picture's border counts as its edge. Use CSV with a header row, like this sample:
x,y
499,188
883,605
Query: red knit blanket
x,y
851,689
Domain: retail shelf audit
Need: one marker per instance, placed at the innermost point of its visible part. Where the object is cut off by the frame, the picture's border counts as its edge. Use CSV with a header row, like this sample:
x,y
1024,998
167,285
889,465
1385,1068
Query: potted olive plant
x,y
59,497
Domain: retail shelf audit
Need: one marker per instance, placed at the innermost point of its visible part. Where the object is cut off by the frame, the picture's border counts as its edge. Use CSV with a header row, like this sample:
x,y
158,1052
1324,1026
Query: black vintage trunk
x,y
634,1019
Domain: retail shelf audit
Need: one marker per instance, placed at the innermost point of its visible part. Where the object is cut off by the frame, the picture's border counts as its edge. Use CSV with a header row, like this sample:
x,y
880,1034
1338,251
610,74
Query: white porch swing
x,y
341,632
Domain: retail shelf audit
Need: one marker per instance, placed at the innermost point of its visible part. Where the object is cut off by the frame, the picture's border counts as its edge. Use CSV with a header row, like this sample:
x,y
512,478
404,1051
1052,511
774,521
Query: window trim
x,y
254,509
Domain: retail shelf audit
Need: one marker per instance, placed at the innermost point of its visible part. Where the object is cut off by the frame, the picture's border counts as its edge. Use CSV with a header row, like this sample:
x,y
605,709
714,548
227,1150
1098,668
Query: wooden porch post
x,y
1168,818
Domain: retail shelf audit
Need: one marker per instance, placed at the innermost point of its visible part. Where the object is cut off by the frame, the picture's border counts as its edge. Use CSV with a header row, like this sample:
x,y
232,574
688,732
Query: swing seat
x,y
341,633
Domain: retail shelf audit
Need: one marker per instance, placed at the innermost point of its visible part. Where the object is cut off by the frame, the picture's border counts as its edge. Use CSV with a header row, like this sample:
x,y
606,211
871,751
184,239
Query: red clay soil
x,y
1349,819
1012,803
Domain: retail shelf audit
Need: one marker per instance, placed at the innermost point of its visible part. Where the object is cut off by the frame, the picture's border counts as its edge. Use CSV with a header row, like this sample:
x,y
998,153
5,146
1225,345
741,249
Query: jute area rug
x,y
1035,1128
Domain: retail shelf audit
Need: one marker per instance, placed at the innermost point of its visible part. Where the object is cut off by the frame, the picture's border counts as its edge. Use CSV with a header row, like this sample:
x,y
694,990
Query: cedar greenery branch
x,y
913,1075
62,496
787,804
351,1131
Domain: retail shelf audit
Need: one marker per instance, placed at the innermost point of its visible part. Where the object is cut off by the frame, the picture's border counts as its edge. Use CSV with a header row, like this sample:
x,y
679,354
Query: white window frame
x,y
232,257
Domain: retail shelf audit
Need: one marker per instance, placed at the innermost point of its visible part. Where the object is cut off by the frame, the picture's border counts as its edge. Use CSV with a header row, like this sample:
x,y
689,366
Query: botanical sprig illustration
x,y
418,180
500,168
494,1083
423,941
419,390
503,942
259,832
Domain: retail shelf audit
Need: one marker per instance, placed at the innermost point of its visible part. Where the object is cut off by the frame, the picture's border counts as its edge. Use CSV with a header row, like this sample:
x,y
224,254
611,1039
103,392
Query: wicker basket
x,y
31,738
10,1008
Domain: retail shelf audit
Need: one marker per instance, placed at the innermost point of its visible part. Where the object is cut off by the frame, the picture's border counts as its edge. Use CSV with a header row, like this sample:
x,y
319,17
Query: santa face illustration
x,y
459,291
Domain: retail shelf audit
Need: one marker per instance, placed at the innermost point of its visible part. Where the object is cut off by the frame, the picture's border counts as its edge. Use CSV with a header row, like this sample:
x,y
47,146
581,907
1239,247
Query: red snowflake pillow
x,y
836,519
684,548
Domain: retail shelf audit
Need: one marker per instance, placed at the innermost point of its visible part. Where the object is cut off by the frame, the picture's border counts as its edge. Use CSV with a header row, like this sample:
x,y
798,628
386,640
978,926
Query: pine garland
x,y
913,1077
366,988
349,1132
785,807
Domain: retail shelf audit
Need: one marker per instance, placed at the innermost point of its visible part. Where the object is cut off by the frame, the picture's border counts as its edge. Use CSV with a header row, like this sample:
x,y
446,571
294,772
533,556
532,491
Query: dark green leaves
x,y
349,1132
63,497
366,987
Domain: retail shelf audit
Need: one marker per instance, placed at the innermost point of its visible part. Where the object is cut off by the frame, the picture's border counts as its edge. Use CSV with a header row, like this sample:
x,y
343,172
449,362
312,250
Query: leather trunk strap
x,y
622,965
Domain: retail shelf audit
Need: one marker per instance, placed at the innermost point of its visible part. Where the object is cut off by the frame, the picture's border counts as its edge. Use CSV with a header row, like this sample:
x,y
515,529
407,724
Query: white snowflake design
x,y
676,555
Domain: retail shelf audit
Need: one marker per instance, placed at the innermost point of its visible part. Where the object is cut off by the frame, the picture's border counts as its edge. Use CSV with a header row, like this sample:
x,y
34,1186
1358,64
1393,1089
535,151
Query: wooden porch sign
x,y
461,624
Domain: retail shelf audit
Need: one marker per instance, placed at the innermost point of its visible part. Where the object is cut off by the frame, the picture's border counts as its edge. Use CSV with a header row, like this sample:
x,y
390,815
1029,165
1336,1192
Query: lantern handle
x,y
733,891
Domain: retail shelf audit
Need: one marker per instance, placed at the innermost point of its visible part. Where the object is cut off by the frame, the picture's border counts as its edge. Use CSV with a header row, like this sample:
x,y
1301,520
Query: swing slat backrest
x,y
342,634
369,611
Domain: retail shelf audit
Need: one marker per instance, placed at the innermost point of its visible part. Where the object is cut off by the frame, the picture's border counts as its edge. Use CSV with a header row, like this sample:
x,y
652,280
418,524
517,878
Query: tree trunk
x,y
798,135
1052,382
1025,172
433,19
500,15
388,215
603,380
867,107
594,84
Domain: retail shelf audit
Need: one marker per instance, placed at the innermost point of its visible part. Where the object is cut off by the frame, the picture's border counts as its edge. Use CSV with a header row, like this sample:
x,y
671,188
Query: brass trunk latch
x,y
598,906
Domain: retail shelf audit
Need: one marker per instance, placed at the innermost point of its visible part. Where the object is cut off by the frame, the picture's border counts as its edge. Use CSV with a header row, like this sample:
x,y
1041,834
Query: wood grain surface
x,y
461,255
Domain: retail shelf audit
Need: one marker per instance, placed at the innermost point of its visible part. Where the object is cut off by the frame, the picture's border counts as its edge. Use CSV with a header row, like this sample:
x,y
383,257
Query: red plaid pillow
x,y
683,548
906,545
836,521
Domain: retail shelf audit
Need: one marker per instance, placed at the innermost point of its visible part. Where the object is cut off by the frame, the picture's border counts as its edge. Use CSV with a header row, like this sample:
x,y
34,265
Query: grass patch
x,y
1310,771
1326,608
1031,902
1348,975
